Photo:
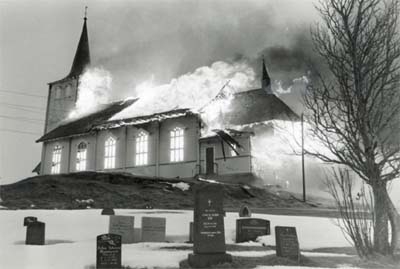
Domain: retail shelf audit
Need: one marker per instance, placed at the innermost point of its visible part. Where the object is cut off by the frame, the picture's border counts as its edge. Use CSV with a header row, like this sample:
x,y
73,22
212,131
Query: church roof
x,y
258,106
87,123
82,55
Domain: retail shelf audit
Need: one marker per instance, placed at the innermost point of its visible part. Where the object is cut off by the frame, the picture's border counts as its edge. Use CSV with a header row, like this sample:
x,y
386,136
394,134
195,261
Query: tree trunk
x,y
394,219
381,231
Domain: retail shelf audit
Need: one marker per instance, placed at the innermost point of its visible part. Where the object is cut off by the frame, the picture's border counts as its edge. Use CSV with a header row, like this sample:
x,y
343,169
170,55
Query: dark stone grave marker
x,y
108,251
191,232
153,229
108,211
251,228
123,226
244,212
35,233
287,243
209,233
28,220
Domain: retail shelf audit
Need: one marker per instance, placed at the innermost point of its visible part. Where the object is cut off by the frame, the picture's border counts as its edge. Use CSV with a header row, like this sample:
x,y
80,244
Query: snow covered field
x,y
71,238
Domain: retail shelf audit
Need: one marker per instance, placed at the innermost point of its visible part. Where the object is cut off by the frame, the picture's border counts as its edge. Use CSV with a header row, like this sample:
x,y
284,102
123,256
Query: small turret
x,y
265,80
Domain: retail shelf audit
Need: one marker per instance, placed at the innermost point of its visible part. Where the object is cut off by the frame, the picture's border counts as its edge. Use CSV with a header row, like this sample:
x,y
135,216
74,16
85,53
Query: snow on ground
x,y
71,238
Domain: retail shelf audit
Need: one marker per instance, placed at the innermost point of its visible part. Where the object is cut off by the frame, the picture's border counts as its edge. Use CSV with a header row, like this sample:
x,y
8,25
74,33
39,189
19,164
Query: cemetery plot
x,y
153,229
250,229
108,251
287,243
123,226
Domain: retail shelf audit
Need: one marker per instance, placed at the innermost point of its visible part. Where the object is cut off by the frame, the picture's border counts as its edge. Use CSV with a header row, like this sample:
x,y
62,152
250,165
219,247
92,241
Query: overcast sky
x,y
135,41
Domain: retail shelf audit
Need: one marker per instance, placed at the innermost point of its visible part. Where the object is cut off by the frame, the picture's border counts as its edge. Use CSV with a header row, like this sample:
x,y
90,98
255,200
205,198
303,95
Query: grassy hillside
x,y
120,190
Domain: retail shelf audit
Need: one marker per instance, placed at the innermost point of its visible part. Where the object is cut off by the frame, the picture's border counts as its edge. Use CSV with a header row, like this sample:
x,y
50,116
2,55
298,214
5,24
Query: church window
x,y
58,92
68,91
177,144
142,148
81,157
109,154
56,160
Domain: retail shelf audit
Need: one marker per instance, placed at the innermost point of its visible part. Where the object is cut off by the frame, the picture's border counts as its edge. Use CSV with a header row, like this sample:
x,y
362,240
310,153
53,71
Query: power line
x,y
30,120
23,93
24,106
17,131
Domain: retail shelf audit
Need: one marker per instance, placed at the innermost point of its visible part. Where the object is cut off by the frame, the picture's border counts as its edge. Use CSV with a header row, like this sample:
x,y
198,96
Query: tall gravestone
x,y
108,251
123,226
35,233
209,233
287,243
153,229
251,228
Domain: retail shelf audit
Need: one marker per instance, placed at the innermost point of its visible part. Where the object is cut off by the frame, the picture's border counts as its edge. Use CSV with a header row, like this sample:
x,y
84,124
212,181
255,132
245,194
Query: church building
x,y
169,144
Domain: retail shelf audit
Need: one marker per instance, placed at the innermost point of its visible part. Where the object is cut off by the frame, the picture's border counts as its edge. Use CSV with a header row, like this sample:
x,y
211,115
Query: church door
x,y
209,161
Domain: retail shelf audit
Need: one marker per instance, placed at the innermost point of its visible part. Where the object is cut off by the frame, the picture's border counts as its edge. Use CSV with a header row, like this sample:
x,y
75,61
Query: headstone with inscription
x,y
251,228
209,233
244,212
108,251
153,229
123,226
28,220
108,211
35,233
287,243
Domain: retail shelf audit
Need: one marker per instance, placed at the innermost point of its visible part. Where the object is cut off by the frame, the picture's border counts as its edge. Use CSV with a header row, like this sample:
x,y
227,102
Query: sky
x,y
135,41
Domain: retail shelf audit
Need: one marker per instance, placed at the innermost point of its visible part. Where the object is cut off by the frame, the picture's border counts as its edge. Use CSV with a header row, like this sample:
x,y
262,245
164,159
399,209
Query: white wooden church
x,y
164,145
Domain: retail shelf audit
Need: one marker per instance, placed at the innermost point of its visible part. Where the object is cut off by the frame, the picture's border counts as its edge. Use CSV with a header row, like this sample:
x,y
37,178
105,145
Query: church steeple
x,y
82,55
265,80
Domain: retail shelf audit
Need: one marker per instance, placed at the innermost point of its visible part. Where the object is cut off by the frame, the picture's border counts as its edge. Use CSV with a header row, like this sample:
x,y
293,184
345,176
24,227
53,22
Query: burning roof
x,y
245,108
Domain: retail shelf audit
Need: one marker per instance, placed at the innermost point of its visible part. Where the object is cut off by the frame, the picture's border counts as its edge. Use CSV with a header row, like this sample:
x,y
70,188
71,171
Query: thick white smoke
x,y
193,90
93,91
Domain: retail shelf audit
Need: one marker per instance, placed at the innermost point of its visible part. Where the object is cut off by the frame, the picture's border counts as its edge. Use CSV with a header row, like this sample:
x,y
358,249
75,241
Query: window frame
x,y
81,157
56,159
110,152
142,148
177,144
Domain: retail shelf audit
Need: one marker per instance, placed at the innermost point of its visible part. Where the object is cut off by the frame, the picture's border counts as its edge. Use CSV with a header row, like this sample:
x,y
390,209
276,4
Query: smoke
x,y
193,90
94,90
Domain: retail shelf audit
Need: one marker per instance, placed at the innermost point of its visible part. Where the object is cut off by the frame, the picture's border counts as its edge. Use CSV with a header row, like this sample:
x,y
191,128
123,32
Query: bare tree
x,y
356,210
354,107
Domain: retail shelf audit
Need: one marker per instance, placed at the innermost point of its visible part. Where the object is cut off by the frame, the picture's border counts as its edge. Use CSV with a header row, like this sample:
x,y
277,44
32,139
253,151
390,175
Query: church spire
x,y
82,55
265,80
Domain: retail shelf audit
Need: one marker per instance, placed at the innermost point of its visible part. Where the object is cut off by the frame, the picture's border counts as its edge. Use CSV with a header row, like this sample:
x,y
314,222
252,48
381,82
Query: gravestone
x,y
108,251
287,243
108,211
209,233
35,233
153,229
191,232
251,228
123,226
28,220
244,212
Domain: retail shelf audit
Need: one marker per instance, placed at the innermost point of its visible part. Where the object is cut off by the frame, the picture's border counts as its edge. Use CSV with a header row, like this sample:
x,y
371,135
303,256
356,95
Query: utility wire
x,y
31,120
23,93
17,131
24,106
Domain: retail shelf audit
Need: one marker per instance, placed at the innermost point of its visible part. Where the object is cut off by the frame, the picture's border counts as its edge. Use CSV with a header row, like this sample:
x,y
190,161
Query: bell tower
x,y
63,93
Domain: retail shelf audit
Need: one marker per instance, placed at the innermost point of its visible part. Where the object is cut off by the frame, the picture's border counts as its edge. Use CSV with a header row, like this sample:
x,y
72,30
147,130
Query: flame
x,y
93,91
193,90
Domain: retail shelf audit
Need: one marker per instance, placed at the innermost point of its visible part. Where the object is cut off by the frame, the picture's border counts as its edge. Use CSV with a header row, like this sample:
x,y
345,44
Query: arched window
x,y
142,148
177,144
56,160
58,92
109,153
81,157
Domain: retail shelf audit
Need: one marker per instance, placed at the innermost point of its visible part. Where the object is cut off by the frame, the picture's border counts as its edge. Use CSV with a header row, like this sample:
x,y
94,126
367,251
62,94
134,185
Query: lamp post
x,y
302,158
